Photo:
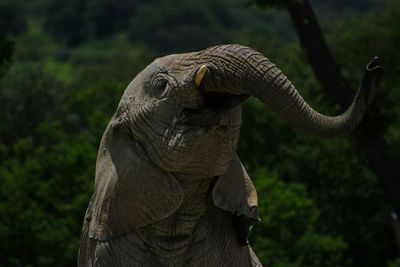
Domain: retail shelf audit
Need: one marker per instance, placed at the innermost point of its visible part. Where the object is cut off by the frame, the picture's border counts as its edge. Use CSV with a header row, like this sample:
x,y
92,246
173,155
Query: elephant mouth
x,y
218,110
218,118
213,126
222,101
209,118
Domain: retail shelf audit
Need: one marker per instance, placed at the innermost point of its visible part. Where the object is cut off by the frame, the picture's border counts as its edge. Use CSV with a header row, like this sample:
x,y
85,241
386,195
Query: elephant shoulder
x,y
130,191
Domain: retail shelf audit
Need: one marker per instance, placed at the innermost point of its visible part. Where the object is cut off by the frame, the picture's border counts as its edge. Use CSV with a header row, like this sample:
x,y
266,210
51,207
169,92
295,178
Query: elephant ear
x,y
130,191
234,192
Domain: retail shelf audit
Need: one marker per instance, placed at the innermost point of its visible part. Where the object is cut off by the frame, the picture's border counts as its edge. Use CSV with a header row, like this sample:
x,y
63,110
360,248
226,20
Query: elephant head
x,y
179,121
184,108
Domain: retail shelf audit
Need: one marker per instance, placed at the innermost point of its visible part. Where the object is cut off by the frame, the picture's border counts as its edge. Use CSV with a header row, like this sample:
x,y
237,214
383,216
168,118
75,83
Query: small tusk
x,y
200,75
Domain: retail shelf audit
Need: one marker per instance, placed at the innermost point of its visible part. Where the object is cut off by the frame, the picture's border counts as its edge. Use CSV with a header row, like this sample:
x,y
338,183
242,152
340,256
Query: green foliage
x,y
45,171
334,172
289,234
68,15
395,263
24,94
158,25
11,17
319,202
82,20
11,23
376,38
44,49
47,165
332,4
111,59
273,3
195,25
7,48
44,190
326,168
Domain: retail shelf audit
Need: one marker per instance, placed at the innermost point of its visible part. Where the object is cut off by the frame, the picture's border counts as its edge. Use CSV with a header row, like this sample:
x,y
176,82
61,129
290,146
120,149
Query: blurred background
x,y
323,202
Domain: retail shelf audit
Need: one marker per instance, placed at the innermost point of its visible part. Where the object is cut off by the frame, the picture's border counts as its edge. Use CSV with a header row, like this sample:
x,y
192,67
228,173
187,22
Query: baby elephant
x,y
170,189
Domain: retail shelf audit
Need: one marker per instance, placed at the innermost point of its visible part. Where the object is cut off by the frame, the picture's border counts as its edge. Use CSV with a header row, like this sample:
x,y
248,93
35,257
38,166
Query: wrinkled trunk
x,y
240,70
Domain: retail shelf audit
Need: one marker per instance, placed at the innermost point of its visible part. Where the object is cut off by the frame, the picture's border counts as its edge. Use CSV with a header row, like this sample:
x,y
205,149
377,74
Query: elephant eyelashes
x,y
159,83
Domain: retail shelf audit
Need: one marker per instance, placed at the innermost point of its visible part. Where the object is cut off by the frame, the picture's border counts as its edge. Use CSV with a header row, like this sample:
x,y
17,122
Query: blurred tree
x,y
340,92
315,211
65,20
47,158
27,99
380,158
395,263
107,17
11,24
193,26
42,171
291,220
349,206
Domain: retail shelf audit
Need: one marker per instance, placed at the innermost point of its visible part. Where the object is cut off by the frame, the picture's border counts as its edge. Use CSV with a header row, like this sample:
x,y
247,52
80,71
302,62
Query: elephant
x,y
170,189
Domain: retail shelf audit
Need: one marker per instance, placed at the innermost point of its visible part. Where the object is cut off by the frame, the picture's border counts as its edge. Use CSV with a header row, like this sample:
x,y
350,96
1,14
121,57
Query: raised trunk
x,y
241,70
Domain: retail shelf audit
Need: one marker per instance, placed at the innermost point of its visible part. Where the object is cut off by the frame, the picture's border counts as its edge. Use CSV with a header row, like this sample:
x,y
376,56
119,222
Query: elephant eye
x,y
159,83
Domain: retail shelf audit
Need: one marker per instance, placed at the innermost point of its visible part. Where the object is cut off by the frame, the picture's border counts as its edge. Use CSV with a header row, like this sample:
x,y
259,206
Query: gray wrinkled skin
x,y
170,189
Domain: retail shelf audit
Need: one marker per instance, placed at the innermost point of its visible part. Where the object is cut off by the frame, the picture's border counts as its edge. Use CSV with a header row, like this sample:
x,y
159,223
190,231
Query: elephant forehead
x,y
177,62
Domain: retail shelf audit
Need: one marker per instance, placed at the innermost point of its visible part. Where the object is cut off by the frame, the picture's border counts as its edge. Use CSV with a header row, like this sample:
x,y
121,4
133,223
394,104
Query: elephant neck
x,y
186,226
196,198
197,234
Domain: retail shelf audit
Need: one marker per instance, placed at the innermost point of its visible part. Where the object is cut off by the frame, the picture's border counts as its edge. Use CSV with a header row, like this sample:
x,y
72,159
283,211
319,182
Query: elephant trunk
x,y
242,71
